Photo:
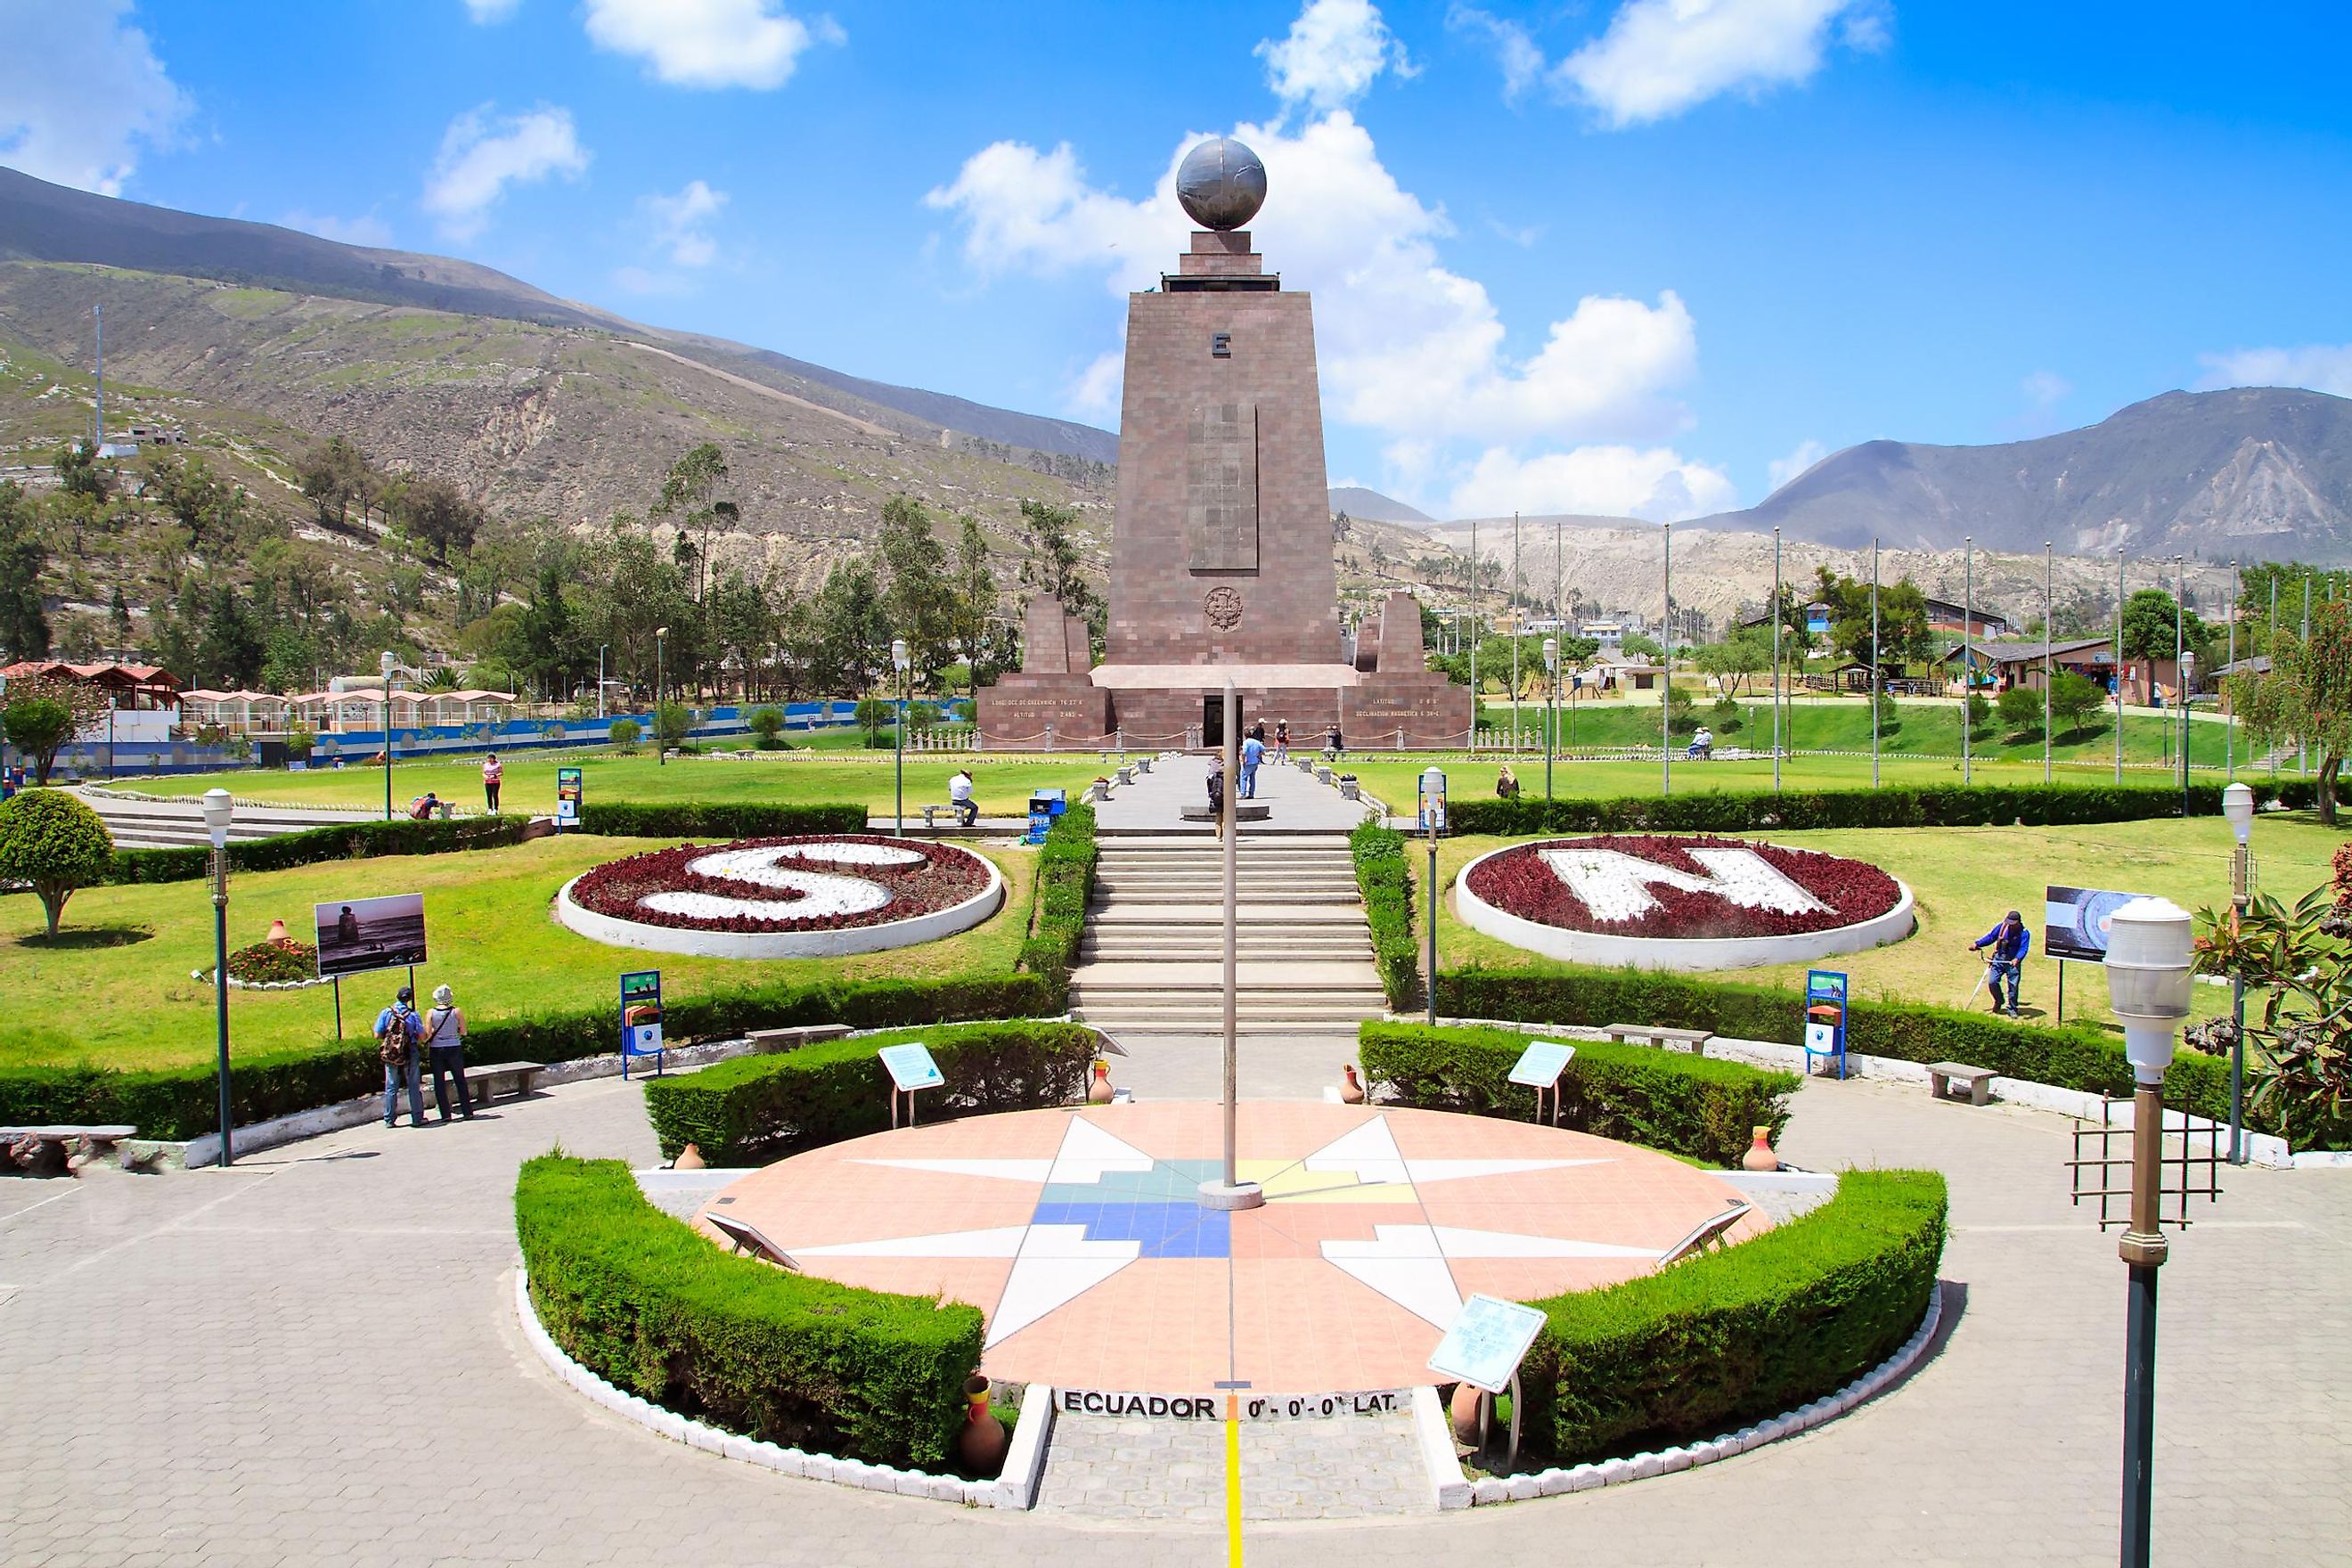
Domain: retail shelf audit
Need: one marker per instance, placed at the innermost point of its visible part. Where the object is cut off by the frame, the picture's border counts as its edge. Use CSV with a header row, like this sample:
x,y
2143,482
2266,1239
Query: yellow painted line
x,y
1232,1480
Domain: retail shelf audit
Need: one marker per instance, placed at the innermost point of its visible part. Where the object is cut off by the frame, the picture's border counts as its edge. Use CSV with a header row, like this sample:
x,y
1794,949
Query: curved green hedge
x,y
647,1303
344,841
755,1108
1065,880
1739,1335
717,819
1695,1106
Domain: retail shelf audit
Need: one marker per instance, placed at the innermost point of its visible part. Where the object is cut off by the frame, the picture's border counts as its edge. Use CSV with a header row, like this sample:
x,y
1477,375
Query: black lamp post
x,y
218,809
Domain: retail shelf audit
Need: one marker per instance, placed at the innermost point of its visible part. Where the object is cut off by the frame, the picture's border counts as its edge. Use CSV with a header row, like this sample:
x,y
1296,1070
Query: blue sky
x,y
1644,255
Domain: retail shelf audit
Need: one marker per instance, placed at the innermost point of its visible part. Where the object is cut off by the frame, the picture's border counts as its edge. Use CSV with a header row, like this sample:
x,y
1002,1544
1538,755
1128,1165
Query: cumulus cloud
x,y
488,11
1093,393
482,155
1334,52
1654,483
81,92
1660,57
682,223
365,230
1514,50
709,43
2320,368
1780,471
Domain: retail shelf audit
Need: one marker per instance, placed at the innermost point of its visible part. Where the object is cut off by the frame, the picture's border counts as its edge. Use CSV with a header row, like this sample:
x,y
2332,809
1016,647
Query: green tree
x,y
24,624
291,663
2074,699
688,489
118,617
1978,711
43,714
2149,629
2021,707
334,474
1732,664
206,505
1052,565
1903,634
55,843
1636,646
2306,696
672,722
975,600
442,515
920,599
766,723
79,474
624,733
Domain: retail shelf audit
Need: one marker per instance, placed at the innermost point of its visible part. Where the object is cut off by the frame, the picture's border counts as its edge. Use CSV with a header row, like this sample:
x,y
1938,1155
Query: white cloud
x,y
366,229
1514,50
682,222
1095,392
1659,57
1335,51
481,157
709,43
80,92
1780,471
1655,483
485,12
2045,390
2321,367
641,280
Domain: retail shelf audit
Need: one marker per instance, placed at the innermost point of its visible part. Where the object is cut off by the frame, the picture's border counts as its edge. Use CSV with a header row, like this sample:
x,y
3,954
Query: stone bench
x,y
54,1150
1977,1081
932,812
1123,776
794,1037
1243,811
1692,1040
484,1084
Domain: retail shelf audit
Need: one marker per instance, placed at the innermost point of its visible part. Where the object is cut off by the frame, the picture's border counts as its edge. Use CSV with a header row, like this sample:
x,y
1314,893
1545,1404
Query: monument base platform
x,y
1042,712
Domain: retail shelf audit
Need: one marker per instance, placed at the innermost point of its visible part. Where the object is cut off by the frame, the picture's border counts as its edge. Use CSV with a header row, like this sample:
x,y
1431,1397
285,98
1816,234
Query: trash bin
x,y
1048,803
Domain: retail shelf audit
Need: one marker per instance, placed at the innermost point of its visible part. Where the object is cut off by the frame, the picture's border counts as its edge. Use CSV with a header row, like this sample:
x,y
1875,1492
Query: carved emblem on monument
x,y
1223,605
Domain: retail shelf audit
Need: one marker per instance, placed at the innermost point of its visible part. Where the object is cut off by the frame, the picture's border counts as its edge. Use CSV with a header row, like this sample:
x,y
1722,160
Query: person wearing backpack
x,y
396,1028
444,1049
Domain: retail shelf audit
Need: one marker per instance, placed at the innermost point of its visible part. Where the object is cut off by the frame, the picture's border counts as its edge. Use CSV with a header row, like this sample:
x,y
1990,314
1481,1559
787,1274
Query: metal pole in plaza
x,y
660,633
1515,632
2047,610
1666,678
2148,989
1432,822
2229,709
2302,747
2238,805
1967,675
1230,1192
898,661
1551,709
2180,667
601,649
1474,583
1779,679
218,809
384,662
2119,666
1877,683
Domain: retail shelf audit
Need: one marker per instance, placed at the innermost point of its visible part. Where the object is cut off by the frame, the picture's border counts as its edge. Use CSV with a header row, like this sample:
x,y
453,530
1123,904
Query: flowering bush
x,y
274,962
1520,882
939,877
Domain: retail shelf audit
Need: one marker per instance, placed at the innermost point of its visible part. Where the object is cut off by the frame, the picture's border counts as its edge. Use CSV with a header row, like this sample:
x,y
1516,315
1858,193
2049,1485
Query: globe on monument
x,y
1221,182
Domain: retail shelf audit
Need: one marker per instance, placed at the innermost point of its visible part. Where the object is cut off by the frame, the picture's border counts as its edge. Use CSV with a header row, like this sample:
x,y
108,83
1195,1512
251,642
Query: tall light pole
x,y
384,662
1666,678
2302,747
2048,609
1477,584
661,636
2148,989
2180,667
1432,822
1515,634
1551,710
1877,680
2230,709
1777,679
1968,673
1230,1192
218,809
2119,666
2238,805
601,648
898,662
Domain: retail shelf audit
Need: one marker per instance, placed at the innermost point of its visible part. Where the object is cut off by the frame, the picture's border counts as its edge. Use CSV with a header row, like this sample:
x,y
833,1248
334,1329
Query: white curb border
x,y
1015,1488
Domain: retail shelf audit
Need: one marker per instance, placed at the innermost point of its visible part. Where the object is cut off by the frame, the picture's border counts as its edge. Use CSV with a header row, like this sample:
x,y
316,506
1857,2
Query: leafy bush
x,y
672,719
351,841
645,1302
1066,881
755,1108
1933,805
2021,710
1385,883
1694,1106
274,962
767,723
300,741
1742,1334
625,734
53,841
718,820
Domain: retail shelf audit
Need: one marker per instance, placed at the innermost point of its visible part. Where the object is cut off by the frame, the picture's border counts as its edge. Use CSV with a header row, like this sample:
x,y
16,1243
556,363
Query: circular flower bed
x,y
768,898
1659,901
287,966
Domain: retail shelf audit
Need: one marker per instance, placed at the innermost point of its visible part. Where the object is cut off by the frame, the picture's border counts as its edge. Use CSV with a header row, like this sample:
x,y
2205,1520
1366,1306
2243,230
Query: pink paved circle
x,y
1076,1232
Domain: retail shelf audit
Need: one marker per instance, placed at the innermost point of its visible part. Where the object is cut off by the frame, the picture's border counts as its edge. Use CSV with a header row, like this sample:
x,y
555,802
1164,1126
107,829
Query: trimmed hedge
x,y
1935,806
351,841
1695,1106
1742,1334
756,1109
647,1303
1385,882
1066,881
686,819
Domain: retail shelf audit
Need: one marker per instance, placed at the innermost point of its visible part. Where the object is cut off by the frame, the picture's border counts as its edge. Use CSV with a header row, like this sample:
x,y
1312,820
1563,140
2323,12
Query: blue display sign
x,y
641,1018
1825,1018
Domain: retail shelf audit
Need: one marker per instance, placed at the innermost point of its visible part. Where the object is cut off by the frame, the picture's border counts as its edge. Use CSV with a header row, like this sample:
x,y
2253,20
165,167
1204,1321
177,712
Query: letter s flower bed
x,y
783,884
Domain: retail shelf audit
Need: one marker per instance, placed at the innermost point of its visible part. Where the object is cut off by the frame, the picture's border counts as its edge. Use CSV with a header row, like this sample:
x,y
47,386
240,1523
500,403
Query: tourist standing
x,y
493,772
1253,753
1217,790
1282,742
445,1047
397,1029
967,811
1506,783
2010,942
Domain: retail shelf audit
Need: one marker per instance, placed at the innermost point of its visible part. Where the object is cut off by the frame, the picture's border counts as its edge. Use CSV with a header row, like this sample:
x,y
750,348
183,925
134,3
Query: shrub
x,y
351,841
53,841
1385,882
767,723
1066,881
643,1301
274,962
1742,1334
624,733
671,722
2021,708
1932,805
693,819
1694,1106
300,741
756,1109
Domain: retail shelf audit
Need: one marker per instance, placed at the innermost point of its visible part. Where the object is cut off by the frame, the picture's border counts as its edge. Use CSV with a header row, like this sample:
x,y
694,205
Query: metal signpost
x,y
1825,1019
1488,1338
1539,1069
641,1018
911,1069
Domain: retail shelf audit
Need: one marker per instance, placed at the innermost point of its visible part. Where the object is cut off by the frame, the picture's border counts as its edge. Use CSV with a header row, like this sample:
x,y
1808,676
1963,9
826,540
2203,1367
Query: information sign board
x,y
567,797
1540,1065
641,1016
360,934
1825,1018
1489,1338
2074,921
910,1067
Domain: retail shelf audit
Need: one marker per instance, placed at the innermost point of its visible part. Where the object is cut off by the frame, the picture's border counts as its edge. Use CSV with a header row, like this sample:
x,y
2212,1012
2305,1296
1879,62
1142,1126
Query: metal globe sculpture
x,y
1221,182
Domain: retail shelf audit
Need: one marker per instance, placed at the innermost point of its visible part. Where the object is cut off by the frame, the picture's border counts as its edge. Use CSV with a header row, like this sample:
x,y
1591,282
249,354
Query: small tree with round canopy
x,y
54,842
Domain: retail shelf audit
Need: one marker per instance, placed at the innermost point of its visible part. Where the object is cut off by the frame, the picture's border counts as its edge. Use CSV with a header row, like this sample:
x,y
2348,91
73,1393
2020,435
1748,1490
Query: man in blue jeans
x,y
1253,756
396,1030
2010,942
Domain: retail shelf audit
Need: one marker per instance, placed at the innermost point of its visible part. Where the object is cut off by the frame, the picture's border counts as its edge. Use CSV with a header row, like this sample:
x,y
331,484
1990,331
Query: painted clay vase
x,y
1098,1090
980,1446
1463,1412
277,931
688,1158
1759,1156
1351,1088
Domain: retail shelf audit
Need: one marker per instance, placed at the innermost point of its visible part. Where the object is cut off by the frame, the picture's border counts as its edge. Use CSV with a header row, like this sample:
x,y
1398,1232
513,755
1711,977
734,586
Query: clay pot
x,y
1351,1088
277,931
1463,1410
981,1445
1759,1156
688,1158
1098,1090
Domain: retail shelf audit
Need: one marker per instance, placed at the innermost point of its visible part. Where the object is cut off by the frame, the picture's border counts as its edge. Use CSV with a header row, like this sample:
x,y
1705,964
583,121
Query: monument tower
x,y
1221,550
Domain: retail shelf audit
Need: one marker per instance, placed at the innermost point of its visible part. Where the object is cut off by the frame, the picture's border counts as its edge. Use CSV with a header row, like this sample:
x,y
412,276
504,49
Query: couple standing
x,y
402,1037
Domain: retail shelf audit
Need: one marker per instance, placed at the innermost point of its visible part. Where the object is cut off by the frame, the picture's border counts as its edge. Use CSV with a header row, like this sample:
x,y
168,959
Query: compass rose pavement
x,y
1078,1235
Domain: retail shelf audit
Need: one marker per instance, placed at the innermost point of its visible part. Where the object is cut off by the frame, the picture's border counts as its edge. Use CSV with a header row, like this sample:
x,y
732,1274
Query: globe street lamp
x,y
898,661
1551,718
1432,822
385,662
2238,805
661,759
218,809
2148,988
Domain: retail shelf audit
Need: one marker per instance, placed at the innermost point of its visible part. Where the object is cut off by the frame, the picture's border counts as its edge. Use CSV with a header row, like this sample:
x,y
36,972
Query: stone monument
x,y
1221,550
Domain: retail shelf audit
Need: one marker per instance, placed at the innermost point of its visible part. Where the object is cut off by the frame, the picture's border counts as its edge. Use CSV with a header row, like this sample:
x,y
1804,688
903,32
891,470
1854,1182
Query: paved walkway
x,y
310,1360
1155,801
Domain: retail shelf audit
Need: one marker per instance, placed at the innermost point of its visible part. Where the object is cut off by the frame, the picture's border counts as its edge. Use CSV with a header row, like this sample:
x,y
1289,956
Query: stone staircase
x,y
1153,958
174,824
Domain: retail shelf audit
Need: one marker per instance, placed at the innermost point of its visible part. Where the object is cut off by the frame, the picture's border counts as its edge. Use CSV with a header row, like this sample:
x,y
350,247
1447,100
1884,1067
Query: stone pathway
x,y
1346,1467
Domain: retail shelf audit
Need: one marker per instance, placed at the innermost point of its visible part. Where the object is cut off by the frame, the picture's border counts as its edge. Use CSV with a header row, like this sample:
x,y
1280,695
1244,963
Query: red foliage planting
x,y
1519,882
946,876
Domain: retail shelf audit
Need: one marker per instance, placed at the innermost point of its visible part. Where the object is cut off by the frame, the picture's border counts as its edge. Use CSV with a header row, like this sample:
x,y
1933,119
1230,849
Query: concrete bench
x,y
1123,776
934,812
484,1084
1243,811
794,1037
1977,1081
53,1150
1692,1040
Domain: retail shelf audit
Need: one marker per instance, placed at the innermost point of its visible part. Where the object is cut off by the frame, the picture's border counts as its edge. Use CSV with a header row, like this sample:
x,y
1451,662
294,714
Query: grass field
x,y
115,988
1965,879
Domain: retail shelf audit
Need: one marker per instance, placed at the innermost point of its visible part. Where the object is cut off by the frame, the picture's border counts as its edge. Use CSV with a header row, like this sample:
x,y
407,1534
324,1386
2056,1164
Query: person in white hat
x,y
444,1046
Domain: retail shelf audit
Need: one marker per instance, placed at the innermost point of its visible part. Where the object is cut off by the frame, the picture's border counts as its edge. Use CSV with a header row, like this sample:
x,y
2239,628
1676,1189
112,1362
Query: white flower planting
x,y
1615,886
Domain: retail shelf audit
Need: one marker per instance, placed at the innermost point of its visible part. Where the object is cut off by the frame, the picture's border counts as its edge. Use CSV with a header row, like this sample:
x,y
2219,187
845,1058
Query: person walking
x,y
959,796
1217,791
396,1030
2010,942
444,1048
1506,783
1282,742
1253,753
494,772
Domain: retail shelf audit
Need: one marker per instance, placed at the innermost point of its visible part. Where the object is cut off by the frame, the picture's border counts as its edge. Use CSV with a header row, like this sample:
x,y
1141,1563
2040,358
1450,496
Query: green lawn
x,y
1965,879
116,988
1002,781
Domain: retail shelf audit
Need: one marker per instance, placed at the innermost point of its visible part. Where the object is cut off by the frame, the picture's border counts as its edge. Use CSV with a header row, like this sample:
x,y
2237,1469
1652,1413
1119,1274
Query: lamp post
x,y
1778,678
1551,715
601,648
218,809
2180,667
2238,805
898,662
1432,822
1666,679
661,634
1967,675
1877,682
384,663
2047,582
2148,989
